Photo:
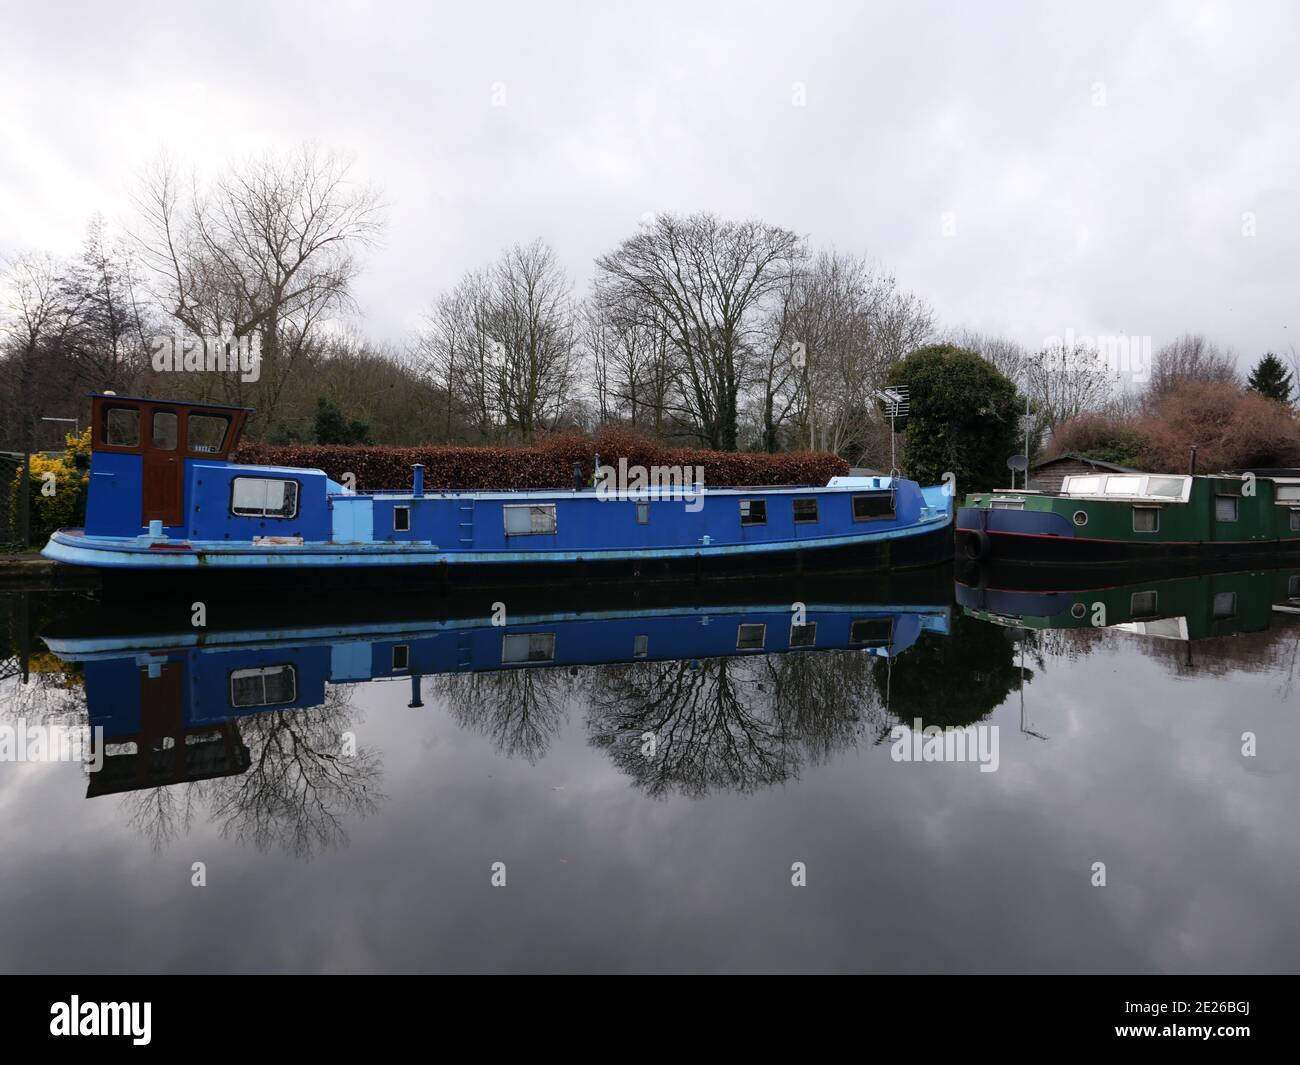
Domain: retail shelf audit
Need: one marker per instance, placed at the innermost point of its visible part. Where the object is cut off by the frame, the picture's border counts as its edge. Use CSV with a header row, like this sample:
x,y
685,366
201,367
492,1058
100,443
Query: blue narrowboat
x,y
166,497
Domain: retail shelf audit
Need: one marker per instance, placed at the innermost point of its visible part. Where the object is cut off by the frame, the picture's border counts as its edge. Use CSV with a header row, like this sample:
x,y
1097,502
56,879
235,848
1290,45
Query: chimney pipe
x,y
417,480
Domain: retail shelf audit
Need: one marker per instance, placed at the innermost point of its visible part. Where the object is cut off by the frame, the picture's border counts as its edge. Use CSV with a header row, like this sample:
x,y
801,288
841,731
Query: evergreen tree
x,y
1271,378
332,427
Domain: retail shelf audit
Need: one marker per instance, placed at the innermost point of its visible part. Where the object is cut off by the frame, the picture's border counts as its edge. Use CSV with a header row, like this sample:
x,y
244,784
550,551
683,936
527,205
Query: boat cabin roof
x,y
133,425
1158,487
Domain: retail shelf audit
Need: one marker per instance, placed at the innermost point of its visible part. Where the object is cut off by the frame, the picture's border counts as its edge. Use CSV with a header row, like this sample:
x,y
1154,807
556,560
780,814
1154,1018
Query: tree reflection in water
x,y
519,710
729,724
296,794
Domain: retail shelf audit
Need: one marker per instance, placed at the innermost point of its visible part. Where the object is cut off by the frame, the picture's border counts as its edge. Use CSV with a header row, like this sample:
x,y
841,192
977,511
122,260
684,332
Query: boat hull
x,y
1032,538
328,570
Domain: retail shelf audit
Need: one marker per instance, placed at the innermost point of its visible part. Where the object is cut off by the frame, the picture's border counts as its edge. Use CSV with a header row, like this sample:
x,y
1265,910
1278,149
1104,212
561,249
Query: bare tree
x,y
1191,358
707,281
503,342
267,249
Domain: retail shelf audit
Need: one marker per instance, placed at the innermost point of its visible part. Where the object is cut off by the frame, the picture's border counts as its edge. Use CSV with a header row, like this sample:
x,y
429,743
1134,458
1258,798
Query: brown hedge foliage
x,y
546,464
1230,429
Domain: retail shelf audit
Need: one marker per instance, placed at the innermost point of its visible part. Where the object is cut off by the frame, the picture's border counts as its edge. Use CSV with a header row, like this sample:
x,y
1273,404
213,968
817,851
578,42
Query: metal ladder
x,y
467,527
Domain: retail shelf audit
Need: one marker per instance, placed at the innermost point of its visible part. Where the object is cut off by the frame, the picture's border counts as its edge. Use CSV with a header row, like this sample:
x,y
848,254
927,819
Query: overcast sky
x,y
1094,164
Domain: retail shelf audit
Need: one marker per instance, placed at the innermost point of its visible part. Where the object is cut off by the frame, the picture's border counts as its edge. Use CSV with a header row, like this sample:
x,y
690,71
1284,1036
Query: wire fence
x,y
12,533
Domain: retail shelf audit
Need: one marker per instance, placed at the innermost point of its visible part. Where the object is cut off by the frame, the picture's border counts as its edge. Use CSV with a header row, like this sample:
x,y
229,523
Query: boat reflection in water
x,y
177,704
1178,608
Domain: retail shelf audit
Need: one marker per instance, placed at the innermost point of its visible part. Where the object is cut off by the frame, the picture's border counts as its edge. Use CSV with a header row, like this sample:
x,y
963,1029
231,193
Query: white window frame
x,y
248,512
262,672
402,510
530,507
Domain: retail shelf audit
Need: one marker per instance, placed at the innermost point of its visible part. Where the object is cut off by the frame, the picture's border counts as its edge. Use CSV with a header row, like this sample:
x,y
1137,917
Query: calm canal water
x,y
656,778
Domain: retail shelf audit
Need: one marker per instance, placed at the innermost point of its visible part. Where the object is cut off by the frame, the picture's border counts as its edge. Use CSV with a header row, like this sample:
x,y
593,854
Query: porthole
x,y
1078,610
1080,517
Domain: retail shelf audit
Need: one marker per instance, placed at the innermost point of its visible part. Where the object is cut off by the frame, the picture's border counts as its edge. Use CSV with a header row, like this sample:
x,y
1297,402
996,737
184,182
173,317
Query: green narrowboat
x,y
1107,518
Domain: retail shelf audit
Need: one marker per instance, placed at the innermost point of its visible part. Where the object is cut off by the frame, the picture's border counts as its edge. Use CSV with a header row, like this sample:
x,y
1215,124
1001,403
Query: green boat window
x,y
1143,604
1225,605
1146,519
1295,521
1123,486
1288,493
1165,487
1225,508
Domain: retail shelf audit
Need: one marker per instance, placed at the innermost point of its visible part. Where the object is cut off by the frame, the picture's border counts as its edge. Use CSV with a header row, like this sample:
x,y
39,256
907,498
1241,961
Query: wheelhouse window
x,y
805,511
1143,604
804,635
1146,519
122,427
205,433
401,519
750,637
523,648
873,507
264,497
1225,508
162,437
871,632
536,520
263,686
753,512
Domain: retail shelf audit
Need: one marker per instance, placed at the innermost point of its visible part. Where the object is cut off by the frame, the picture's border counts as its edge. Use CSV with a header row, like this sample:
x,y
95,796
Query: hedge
x,y
546,464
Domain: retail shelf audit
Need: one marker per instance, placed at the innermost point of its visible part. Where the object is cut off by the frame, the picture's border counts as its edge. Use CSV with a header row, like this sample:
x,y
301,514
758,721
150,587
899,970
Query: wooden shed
x,y
1046,475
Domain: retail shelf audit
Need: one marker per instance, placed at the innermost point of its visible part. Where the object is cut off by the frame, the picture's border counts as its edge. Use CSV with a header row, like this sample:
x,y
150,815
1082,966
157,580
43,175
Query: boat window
x,y
1295,520
264,497
1288,493
804,635
263,686
641,647
1123,486
1225,508
1146,519
1165,487
643,513
1143,604
206,432
122,427
753,512
401,656
1293,586
530,520
805,510
871,507
401,519
750,637
872,631
525,647
1083,486
163,436
1225,605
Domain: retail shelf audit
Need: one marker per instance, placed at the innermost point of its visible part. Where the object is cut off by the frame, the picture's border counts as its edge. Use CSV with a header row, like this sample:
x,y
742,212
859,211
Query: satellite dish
x,y
1018,463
